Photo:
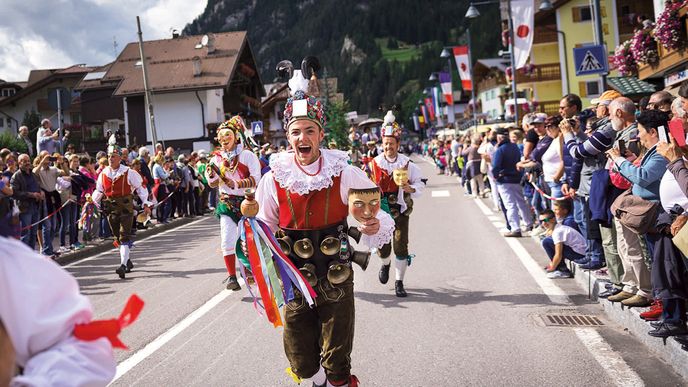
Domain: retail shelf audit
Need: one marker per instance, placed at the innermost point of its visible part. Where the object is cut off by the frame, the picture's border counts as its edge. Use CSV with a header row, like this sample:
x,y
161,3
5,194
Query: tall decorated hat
x,y
302,105
235,125
390,127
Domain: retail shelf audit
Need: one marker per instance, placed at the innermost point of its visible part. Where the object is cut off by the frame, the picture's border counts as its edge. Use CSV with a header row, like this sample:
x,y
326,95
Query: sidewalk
x,y
97,247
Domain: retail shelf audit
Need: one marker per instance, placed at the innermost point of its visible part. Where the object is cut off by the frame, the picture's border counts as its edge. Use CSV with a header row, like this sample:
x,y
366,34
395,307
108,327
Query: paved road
x,y
471,318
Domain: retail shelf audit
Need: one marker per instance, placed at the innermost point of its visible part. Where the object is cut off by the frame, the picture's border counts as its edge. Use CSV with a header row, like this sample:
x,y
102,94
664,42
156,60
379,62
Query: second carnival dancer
x,y
114,188
400,181
233,169
305,197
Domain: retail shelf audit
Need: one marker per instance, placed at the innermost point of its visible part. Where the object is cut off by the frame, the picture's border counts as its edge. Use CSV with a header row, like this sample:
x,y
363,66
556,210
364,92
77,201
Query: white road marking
x,y
135,241
610,360
153,346
616,367
440,194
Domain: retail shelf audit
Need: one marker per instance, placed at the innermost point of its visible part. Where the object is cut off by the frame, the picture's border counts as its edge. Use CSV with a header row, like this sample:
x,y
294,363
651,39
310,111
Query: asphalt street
x,y
472,317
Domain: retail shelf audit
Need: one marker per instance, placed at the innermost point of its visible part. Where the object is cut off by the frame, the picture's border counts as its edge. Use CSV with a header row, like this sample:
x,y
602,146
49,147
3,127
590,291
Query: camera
x,y
52,159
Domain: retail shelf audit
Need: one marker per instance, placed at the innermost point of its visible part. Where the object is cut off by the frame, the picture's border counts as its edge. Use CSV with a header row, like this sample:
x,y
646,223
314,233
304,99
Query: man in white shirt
x,y
562,242
117,183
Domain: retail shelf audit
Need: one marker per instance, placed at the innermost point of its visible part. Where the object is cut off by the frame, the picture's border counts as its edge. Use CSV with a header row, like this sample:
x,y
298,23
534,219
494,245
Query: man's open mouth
x,y
303,150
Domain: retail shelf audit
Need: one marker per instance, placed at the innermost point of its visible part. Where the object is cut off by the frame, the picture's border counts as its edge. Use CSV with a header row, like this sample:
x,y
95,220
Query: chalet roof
x,y
170,64
498,63
40,78
92,80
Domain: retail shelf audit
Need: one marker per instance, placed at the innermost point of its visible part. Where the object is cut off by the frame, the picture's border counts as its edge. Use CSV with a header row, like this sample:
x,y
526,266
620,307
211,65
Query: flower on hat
x,y
313,109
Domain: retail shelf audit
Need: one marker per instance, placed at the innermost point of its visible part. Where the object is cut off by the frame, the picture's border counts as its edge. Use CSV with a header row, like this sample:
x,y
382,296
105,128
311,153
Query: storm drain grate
x,y
570,320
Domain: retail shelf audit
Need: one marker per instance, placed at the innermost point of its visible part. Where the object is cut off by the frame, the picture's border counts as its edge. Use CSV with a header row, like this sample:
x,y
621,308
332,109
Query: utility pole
x,y
599,34
513,61
146,91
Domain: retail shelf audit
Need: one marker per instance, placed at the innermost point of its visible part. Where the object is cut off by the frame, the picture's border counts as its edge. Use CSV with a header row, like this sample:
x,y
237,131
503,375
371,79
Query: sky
x,y
43,34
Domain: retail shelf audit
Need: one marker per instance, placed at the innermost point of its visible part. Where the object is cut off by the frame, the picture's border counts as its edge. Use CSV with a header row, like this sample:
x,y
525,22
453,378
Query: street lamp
x,y
433,77
472,13
546,5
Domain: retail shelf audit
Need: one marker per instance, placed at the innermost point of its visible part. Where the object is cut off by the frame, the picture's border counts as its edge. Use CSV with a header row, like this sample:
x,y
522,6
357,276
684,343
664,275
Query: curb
x,y
629,319
95,248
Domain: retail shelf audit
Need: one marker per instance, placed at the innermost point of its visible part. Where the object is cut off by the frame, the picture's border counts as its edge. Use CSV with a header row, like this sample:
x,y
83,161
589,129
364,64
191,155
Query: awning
x,y
630,86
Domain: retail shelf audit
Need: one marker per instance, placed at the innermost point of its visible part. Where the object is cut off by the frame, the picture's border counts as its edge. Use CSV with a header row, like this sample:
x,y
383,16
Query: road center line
x,y
616,367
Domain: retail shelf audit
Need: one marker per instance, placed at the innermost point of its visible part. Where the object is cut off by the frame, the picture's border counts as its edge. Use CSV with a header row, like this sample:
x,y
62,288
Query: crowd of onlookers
x,y
45,192
605,187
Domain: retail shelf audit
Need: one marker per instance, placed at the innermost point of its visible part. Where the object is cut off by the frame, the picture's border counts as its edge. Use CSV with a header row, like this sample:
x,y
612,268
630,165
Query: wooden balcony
x,y
543,72
490,83
667,58
545,34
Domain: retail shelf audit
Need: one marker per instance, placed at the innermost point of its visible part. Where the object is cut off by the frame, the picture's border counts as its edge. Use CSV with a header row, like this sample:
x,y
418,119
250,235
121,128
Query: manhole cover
x,y
570,320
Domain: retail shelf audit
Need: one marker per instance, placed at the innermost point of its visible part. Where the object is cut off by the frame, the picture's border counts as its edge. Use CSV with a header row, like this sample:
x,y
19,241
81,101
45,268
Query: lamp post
x,y
473,13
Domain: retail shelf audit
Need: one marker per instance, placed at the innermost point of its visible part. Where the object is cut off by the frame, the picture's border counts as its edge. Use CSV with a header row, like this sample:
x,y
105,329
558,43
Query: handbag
x,y
635,213
680,240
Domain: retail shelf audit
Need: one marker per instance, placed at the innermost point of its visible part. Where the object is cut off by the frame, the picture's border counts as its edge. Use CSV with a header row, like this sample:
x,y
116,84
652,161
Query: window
x,y
218,113
590,89
581,14
7,92
2,122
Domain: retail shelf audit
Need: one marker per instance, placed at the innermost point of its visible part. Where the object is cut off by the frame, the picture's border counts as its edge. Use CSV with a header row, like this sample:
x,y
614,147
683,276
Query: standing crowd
x,y
605,187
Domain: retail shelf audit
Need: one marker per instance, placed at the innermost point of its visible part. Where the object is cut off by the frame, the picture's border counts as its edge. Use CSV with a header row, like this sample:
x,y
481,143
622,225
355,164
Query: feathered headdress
x,y
301,106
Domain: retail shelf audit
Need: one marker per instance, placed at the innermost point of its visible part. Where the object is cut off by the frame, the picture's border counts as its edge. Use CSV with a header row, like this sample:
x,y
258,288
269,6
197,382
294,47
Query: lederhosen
x,y
390,203
230,205
316,216
119,206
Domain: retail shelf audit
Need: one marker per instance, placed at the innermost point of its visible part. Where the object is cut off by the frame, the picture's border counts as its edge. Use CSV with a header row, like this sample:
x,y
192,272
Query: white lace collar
x,y
401,162
289,176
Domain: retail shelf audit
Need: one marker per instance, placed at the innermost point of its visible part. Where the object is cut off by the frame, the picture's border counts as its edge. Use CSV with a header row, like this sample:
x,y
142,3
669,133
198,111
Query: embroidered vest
x,y
383,179
315,210
118,187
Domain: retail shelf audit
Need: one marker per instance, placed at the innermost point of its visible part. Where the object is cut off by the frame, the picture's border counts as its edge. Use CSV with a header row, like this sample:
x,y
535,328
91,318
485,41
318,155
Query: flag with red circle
x,y
523,18
461,57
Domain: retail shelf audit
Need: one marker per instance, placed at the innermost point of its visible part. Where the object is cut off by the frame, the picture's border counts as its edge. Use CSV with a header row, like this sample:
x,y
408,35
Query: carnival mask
x,y
364,203
227,139
400,176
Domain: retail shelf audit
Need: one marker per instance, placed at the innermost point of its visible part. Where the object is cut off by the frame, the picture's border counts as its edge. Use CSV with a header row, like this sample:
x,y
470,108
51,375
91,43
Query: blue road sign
x,y
590,60
257,127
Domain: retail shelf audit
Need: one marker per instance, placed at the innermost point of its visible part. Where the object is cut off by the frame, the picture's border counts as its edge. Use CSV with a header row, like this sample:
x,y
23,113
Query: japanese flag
x,y
523,16
461,57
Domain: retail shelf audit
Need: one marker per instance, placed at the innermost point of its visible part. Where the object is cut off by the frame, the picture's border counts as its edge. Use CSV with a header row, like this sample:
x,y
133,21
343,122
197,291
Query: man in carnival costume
x,y
233,169
305,197
400,182
115,186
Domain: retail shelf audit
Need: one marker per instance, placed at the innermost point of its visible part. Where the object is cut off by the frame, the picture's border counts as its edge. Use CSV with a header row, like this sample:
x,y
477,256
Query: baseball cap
x,y
538,119
502,131
606,98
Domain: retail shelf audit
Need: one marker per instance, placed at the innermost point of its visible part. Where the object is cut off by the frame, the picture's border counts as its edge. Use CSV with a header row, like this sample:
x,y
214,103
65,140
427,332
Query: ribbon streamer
x,y
110,329
545,195
49,215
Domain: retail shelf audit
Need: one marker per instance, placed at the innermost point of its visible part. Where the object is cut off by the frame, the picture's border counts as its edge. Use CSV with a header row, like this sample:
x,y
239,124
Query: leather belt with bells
x,y
316,247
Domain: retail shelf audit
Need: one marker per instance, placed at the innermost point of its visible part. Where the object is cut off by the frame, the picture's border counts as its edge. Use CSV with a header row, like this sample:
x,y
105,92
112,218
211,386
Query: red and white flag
x,y
461,57
523,15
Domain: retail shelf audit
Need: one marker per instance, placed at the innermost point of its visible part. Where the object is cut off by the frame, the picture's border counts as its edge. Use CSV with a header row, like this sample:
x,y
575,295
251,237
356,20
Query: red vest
x,y
314,210
383,179
117,188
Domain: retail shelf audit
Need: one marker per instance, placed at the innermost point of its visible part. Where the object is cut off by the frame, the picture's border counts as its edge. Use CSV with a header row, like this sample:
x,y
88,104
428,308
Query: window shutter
x,y
605,29
576,14
582,89
603,11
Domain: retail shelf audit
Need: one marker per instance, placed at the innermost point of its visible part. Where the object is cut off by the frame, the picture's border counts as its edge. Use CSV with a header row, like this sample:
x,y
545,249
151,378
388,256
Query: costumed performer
x,y
400,181
114,188
233,168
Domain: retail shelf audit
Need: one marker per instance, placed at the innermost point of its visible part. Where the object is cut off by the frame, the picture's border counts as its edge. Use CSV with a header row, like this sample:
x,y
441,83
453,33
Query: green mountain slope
x,y
381,51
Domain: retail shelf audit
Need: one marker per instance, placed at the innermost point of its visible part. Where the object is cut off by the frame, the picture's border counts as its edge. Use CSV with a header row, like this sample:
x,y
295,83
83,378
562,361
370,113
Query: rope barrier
x,y
541,192
49,215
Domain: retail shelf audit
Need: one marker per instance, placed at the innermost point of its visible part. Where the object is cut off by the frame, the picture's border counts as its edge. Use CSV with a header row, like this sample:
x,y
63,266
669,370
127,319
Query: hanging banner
x,y
416,122
523,17
436,101
431,109
446,85
461,57
424,118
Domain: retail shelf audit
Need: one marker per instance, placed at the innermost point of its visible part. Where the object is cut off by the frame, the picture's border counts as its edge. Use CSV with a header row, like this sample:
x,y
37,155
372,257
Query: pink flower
x,y
668,28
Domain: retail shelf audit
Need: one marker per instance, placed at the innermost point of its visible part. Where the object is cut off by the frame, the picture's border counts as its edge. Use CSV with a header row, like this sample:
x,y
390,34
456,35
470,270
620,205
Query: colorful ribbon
x,y
49,215
545,195
274,274
110,329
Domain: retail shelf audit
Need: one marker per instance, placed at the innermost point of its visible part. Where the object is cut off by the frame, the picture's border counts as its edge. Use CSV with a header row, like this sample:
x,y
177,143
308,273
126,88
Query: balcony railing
x,y
545,34
549,107
490,83
543,72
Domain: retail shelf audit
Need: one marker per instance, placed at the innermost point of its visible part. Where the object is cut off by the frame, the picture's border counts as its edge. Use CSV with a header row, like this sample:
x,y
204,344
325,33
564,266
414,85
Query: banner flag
x,y
461,57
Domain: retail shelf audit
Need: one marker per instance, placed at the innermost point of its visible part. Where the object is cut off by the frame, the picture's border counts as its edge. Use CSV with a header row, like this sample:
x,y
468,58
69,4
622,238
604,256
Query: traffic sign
x,y
257,128
590,60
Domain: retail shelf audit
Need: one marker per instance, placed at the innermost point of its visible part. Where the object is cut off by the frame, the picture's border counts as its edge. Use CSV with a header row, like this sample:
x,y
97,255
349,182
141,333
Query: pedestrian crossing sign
x,y
590,60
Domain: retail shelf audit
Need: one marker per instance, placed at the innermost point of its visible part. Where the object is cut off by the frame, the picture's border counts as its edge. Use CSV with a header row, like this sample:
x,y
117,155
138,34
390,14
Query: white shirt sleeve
x,y
353,177
99,191
40,304
415,180
136,182
266,196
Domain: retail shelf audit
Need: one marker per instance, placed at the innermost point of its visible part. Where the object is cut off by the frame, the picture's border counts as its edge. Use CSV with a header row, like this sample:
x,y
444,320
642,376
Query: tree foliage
x,y
337,127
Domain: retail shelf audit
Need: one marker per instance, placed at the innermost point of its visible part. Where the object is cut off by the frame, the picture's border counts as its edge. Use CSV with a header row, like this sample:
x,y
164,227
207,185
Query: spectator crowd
x,y
604,188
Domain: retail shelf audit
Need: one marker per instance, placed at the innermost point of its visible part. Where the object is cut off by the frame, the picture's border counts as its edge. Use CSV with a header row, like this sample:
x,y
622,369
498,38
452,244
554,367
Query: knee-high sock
x,y
124,254
230,263
386,261
319,378
400,266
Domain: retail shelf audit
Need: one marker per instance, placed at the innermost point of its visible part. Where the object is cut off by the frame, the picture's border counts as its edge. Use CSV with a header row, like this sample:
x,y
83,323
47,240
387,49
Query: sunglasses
x,y
545,220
